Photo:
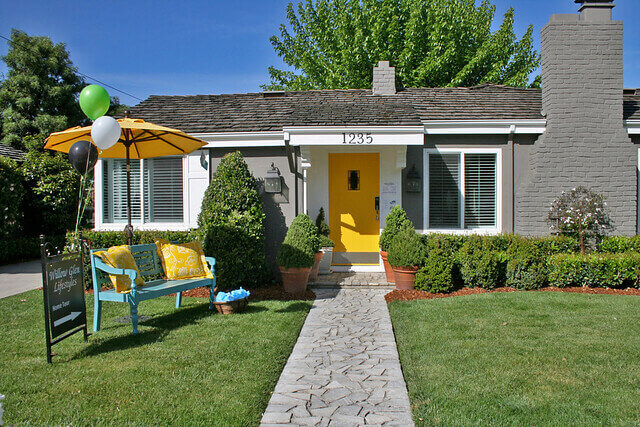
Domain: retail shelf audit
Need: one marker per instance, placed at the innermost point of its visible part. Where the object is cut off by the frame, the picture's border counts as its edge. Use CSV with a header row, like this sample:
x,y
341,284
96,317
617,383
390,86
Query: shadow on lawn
x,y
162,326
295,307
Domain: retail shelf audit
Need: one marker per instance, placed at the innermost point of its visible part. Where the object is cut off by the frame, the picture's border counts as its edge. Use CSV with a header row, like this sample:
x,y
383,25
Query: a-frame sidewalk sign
x,y
65,312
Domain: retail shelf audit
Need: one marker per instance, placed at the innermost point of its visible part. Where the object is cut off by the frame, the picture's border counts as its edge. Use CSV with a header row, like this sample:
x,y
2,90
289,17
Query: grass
x,y
187,366
524,358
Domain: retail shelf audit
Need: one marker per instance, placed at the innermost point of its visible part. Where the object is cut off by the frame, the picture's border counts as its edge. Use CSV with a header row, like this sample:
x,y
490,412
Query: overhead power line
x,y
82,74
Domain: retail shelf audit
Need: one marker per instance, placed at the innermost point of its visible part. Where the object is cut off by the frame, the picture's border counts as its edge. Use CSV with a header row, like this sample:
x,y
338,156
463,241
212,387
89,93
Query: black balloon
x,y
83,156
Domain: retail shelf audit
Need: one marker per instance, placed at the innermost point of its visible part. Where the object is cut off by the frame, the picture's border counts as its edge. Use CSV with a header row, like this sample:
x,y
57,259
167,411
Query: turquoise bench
x,y
149,264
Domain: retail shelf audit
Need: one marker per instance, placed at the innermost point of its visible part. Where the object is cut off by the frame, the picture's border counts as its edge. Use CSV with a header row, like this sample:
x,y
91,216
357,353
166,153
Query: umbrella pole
x,y
129,228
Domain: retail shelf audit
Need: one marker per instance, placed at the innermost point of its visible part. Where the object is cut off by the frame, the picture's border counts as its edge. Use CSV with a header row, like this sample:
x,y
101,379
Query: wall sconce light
x,y
413,183
273,181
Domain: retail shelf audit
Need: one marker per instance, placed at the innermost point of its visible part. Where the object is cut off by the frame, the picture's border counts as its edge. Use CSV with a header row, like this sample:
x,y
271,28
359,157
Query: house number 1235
x,y
357,138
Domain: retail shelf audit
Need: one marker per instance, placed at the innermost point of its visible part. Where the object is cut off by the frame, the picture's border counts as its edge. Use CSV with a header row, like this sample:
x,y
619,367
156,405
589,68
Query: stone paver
x,y
346,280
344,369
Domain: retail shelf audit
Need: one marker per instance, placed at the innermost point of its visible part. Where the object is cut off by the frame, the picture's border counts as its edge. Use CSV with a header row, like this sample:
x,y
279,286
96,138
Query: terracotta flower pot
x,y
316,267
405,277
295,279
388,270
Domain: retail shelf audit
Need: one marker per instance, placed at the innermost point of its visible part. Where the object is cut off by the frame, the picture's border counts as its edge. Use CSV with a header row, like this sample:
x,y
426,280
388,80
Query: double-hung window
x,y
156,191
462,190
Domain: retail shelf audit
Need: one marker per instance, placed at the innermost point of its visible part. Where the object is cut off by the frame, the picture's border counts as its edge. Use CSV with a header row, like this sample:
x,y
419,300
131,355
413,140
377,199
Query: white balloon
x,y
105,132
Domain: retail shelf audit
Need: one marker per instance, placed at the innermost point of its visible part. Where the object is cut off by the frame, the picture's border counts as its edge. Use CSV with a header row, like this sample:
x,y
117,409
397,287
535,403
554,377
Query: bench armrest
x,y
100,265
212,263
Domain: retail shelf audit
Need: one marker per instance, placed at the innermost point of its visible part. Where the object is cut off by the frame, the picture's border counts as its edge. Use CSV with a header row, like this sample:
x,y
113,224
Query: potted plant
x,y
296,257
406,255
326,244
313,237
395,222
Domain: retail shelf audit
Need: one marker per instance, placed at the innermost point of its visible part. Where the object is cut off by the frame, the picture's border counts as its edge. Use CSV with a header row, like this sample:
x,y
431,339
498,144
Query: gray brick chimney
x,y
585,142
384,79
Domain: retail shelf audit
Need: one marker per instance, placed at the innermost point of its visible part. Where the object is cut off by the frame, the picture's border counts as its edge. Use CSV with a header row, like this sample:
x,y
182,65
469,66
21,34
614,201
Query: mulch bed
x,y
273,292
414,294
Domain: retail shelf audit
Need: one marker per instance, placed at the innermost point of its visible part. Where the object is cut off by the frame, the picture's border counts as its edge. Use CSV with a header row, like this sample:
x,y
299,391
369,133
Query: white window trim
x,y
100,225
497,229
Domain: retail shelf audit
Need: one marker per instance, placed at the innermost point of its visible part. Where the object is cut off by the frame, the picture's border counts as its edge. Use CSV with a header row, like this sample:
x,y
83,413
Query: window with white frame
x,y
160,184
462,189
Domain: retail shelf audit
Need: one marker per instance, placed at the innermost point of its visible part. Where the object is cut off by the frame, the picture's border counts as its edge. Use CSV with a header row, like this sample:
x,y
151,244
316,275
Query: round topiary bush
x,y
395,222
297,250
437,275
232,225
11,195
406,249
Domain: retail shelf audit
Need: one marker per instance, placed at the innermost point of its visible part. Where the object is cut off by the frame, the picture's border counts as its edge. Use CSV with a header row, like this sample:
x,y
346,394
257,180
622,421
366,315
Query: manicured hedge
x,y
25,248
483,261
106,239
595,270
619,244
438,273
489,261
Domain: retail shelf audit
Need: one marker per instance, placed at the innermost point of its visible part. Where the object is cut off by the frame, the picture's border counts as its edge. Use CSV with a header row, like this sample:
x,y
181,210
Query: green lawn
x,y
186,367
524,358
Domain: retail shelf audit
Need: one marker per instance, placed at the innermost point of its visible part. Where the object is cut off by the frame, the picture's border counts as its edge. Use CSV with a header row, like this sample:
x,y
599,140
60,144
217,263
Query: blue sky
x,y
201,47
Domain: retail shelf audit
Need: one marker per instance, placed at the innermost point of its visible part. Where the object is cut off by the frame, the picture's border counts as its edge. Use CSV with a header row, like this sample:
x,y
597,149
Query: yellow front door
x,y
354,185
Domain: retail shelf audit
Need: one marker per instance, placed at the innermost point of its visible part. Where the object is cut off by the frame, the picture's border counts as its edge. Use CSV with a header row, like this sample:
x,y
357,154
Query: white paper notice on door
x,y
388,187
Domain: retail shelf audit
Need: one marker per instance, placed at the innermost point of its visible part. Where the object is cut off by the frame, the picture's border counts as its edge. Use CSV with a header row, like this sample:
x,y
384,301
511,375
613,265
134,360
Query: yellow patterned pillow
x,y
120,257
183,261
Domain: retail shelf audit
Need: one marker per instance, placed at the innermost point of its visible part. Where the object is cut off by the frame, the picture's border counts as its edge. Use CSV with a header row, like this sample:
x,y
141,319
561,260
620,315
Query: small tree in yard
x,y
232,224
581,213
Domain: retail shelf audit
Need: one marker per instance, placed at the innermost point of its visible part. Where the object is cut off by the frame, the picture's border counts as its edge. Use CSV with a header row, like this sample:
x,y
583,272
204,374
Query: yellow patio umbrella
x,y
138,140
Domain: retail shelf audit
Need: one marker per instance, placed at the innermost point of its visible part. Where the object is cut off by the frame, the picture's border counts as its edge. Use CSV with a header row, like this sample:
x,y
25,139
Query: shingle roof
x,y
631,107
252,112
11,152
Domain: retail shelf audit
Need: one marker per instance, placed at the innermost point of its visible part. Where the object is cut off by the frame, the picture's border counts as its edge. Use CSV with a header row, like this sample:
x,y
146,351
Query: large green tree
x,y
39,94
335,43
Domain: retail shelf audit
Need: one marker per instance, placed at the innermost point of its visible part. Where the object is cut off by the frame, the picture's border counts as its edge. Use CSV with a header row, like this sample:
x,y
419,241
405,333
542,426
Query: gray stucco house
x,y
484,159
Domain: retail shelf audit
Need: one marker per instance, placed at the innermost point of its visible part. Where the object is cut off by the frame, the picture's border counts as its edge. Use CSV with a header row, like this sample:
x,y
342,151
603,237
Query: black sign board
x,y
65,311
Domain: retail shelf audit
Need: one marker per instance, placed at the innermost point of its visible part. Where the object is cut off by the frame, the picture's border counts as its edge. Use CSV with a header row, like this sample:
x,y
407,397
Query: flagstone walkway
x,y
344,369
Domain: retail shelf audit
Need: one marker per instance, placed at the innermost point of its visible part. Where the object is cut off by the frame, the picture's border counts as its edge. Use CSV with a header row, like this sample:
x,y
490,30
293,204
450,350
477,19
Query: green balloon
x,y
94,101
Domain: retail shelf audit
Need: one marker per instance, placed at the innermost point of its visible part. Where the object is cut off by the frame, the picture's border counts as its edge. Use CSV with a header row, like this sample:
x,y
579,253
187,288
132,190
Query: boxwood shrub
x,y
232,225
395,222
106,239
526,266
437,275
304,223
406,249
481,263
298,248
595,270
620,244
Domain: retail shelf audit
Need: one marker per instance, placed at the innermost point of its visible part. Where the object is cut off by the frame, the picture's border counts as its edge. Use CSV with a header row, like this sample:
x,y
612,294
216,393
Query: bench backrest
x,y
147,260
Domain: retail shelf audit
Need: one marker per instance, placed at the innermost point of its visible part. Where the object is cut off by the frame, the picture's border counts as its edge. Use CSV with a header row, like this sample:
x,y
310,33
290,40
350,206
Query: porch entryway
x,y
354,208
